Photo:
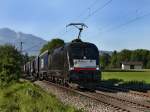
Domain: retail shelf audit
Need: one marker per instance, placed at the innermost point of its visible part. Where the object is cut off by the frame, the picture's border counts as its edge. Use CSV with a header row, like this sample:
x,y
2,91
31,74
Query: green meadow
x,y
128,76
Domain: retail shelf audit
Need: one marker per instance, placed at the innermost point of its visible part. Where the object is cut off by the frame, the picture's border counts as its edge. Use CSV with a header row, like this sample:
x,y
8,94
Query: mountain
x,y
31,43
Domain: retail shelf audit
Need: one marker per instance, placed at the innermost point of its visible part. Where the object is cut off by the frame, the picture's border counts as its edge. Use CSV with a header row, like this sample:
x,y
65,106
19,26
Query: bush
x,y
54,43
148,65
10,64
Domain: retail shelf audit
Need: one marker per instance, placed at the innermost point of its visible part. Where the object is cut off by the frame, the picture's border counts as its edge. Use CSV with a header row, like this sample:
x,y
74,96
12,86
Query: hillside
x,y
31,43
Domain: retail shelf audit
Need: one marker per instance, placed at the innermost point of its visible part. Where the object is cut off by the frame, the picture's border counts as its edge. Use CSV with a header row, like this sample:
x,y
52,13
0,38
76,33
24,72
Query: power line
x,y
126,23
91,14
100,8
95,11
88,8
129,22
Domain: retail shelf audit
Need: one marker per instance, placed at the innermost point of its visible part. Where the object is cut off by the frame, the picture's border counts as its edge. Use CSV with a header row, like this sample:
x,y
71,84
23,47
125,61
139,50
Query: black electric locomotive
x,y
75,63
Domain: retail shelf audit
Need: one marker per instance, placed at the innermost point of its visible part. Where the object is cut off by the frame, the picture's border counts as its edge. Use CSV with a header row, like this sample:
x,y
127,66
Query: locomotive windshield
x,y
91,52
78,52
84,51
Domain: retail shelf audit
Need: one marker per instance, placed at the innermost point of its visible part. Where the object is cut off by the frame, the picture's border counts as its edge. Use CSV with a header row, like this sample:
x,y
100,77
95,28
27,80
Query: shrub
x,y
10,64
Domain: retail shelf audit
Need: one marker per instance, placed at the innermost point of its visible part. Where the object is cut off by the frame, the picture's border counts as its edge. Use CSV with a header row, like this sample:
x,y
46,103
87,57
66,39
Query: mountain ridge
x,y
31,43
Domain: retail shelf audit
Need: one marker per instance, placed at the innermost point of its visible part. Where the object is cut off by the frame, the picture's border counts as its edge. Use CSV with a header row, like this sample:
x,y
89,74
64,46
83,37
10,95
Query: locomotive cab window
x,y
77,52
91,52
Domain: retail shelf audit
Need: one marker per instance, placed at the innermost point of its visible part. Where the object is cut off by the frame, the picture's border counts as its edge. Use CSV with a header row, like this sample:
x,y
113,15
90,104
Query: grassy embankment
x,y
26,97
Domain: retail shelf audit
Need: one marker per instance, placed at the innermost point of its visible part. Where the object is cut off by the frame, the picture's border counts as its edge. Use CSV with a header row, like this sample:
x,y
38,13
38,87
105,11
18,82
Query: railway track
x,y
140,94
118,104
116,89
141,106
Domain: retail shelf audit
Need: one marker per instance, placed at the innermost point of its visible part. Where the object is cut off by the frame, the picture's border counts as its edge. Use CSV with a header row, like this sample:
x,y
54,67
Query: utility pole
x,y
21,47
21,43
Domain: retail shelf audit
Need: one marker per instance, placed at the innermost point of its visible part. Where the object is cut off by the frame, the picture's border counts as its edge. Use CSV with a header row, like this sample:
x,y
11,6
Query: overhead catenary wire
x,y
129,22
91,13
124,24
98,9
62,32
89,7
86,18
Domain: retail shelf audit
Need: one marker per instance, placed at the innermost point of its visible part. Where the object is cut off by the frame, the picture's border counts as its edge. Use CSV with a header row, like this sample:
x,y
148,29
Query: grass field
x,y
128,76
26,97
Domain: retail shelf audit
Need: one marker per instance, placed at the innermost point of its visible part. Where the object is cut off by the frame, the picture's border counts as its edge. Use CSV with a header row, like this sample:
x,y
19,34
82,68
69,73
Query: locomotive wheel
x,y
53,79
34,77
37,76
40,77
66,83
63,82
45,77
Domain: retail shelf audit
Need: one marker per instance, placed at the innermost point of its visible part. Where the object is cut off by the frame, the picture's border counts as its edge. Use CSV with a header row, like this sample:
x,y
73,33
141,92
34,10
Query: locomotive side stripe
x,y
80,69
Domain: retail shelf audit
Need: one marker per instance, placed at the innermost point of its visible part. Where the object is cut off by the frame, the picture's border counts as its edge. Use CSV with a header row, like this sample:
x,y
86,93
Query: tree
x,y
25,58
124,55
141,55
114,63
10,64
31,58
54,43
148,65
105,60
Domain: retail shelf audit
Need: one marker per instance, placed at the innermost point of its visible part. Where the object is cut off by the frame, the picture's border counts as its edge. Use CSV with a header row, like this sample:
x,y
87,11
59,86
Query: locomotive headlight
x,y
97,68
71,68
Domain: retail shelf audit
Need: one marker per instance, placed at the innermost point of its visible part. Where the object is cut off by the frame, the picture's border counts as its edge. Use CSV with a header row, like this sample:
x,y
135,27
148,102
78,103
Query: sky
x,y
112,24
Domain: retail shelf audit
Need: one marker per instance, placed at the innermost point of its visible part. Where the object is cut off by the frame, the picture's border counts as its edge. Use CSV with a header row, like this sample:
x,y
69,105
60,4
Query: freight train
x,y
75,63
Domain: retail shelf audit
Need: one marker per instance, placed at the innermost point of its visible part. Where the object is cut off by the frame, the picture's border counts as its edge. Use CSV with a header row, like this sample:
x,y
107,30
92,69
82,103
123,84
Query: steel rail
x,y
143,105
117,105
115,89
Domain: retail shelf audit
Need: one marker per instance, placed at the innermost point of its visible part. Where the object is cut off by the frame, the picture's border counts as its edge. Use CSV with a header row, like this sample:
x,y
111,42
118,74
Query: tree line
x,y
115,60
